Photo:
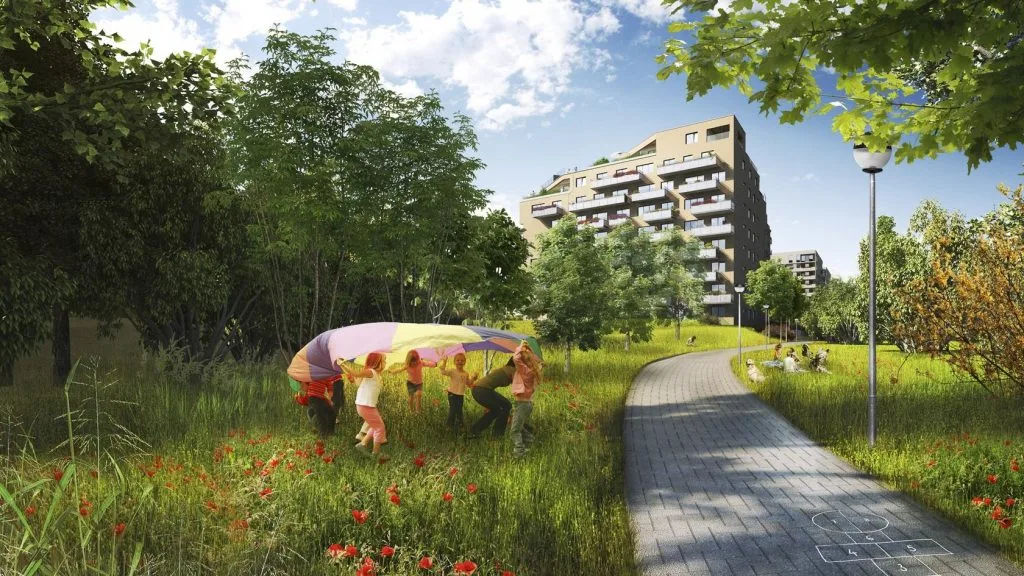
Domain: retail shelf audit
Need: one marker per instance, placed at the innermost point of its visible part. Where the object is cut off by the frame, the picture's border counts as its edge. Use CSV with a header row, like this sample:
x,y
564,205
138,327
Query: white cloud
x,y
601,24
235,21
353,22
164,28
808,177
610,77
545,123
651,10
349,5
566,109
409,88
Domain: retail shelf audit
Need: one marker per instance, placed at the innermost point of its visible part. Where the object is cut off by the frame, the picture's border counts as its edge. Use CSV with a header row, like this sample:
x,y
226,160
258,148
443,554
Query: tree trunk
x,y
568,352
679,323
7,374
626,346
61,345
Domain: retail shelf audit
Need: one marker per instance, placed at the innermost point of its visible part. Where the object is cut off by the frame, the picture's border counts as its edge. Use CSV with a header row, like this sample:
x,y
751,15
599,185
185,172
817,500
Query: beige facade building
x,y
807,267
696,180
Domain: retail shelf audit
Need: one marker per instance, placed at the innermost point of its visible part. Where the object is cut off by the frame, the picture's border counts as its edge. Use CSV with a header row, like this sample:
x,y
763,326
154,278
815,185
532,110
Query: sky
x,y
553,84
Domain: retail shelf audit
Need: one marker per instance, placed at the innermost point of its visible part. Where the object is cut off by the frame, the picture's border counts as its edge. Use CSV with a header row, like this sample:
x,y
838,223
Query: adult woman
x,y
498,407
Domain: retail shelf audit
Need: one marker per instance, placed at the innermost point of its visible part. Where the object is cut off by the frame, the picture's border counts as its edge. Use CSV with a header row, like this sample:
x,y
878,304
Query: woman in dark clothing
x,y
498,407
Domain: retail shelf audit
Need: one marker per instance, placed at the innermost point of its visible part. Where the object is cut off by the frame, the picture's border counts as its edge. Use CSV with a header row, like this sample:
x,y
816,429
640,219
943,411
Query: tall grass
x,y
940,438
234,482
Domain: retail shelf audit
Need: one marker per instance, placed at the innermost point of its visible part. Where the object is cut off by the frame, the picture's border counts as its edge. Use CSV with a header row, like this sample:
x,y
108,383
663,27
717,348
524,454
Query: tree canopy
x,y
926,77
775,285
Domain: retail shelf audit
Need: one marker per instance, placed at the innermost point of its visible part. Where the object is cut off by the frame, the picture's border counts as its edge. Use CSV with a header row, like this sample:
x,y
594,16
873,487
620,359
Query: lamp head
x,y
740,289
871,162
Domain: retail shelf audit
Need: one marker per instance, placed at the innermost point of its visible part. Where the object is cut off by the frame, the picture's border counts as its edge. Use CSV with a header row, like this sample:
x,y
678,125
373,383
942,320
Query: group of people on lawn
x,y
522,372
790,363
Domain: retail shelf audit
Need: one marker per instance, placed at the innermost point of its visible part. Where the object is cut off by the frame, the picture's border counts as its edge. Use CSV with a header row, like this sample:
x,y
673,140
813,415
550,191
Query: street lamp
x,y
872,163
766,326
739,321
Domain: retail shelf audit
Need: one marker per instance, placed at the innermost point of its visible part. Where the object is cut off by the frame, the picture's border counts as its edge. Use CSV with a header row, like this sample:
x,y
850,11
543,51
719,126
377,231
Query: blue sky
x,y
553,84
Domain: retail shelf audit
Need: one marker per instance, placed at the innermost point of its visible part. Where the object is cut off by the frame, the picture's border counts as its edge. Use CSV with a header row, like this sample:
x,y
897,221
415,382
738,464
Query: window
x,y
718,198
720,244
667,185
718,288
619,193
623,212
646,209
718,311
602,175
668,161
581,181
718,176
718,133
691,138
645,188
666,206
580,198
717,221
556,203
645,168
718,266
668,226
743,164
707,154
688,157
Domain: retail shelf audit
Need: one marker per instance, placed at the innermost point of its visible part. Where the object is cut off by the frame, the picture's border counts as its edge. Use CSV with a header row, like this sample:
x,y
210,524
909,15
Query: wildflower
x,y
992,478
211,505
94,473
307,471
447,497
290,466
471,488
395,499
328,459
977,500
1007,442
119,528
387,551
240,525
988,501
420,460
508,573
1010,502
367,568
30,511
914,485
466,567
266,492
360,516
351,551
393,489
335,550
320,449
453,471
1005,522
931,463
1015,466
997,513
426,563
57,474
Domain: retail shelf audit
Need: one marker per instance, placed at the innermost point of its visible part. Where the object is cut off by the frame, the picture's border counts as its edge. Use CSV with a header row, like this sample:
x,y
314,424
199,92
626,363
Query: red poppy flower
x,y
508,573
169,485
1006,522
307,471
419,461
83,511
914,485
471,488
266,492
247,471
57,474
94,473
997,513
360,516
447,497
931,463
1010,502
320,450
31,510
466,567
395,499
335,550
453,471
351,551
290,466
1015,466
119,528
366,570
212,505
988,501
328,459
426,563
992,478
387,551
240,524
393,489
1007,442
977,500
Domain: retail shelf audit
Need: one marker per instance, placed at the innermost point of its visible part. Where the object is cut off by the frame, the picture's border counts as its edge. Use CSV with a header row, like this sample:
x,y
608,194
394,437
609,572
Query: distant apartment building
x,y
696,180
807,267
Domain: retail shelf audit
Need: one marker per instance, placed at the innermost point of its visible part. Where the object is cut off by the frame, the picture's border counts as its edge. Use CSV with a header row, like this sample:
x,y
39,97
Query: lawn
x,y
232,481
940,438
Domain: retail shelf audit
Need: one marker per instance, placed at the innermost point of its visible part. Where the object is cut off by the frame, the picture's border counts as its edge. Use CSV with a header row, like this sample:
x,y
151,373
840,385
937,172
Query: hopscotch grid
x,y
921,562
888,556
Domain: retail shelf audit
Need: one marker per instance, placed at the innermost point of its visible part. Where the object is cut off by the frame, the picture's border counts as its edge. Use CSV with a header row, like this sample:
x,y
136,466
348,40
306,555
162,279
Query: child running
x,y
413,368
366,400
525,380
459,381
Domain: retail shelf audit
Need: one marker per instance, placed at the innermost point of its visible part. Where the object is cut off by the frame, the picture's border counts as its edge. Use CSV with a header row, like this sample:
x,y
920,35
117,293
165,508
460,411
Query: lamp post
x,y
872,163
767,341
739,321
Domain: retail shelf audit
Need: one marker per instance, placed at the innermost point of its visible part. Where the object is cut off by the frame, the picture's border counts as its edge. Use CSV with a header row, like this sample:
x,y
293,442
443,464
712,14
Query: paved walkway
x,y
717,483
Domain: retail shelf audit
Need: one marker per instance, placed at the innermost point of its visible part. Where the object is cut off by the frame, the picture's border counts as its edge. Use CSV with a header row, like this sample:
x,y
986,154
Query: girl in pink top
x,y
413,369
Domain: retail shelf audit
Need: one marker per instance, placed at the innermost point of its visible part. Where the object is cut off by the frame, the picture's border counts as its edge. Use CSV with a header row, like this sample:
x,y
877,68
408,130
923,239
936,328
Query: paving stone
x,y
717,483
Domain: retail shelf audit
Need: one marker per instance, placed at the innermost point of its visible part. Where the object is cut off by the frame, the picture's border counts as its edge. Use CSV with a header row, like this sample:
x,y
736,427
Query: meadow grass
x,y
234,482
940,438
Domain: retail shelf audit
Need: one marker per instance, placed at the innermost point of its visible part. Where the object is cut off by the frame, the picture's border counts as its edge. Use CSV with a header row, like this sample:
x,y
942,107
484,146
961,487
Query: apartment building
x,y
807,267
696,180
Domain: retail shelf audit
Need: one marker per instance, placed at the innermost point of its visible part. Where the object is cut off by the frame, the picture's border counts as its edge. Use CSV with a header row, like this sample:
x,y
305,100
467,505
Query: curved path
x,y
718,483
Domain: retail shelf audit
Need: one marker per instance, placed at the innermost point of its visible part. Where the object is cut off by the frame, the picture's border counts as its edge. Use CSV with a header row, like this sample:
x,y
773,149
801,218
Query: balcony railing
x,y
711,276
718,298
630,177
658,194
661,235
708,253
547,211
658,215
718,136
706,231
618,220
600,224
680,166
704,208
702,186
596,203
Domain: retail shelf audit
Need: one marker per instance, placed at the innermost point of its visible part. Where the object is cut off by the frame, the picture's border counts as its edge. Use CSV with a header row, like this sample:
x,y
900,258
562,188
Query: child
x,y
753,372
524,382
413,368
366,400
319,408
459,379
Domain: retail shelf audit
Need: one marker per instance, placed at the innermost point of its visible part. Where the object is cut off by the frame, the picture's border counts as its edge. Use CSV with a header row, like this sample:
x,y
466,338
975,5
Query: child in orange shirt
x,y
459,381
413,368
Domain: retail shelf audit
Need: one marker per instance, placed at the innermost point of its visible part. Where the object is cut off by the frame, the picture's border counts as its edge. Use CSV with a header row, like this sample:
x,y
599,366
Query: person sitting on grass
x,y
366,400
458,380
691,341
753,373
525,380
790,363
818,361
413,368
497,405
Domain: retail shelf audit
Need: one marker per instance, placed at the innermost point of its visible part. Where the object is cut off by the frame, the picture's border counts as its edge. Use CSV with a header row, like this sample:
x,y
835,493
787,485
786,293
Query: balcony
x,y
618,220
658,215
597,203
708,253
709,231
661,235
631,177
598,223
659,194
711,276
718,298
681,167
702,186
705,208
547,212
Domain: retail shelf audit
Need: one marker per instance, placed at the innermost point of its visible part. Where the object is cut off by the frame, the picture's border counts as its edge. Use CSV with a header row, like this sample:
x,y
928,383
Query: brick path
x,y
717,483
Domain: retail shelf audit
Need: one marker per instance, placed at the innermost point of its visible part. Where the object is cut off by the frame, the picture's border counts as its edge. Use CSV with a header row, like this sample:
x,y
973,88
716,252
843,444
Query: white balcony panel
x,y
547,212
708,231
718,298
711,208
659,194
688,165
710,276
702,186
613,222
596,203
625,179
599,224
708,253
657,215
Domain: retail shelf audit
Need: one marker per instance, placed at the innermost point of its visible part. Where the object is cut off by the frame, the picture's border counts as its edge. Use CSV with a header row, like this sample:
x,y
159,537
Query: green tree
x,y
964,56
634,283
775,285
899,259
506,285
680,288
573,291
599,161
833,313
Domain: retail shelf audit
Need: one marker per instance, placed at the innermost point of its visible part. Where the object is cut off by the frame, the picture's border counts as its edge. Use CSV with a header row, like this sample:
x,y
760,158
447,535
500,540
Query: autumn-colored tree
x,y
973,296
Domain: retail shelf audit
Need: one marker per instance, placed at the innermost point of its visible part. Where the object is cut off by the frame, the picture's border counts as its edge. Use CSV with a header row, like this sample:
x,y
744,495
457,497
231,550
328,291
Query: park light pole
x,y
767,338
872,163
739,321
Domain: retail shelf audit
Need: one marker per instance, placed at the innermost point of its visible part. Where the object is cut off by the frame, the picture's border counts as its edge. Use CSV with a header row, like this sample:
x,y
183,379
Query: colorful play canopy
x,y
318,359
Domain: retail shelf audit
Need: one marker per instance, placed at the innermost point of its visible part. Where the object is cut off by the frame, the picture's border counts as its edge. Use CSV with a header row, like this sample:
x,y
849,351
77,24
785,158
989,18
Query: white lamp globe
x,y
871,162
